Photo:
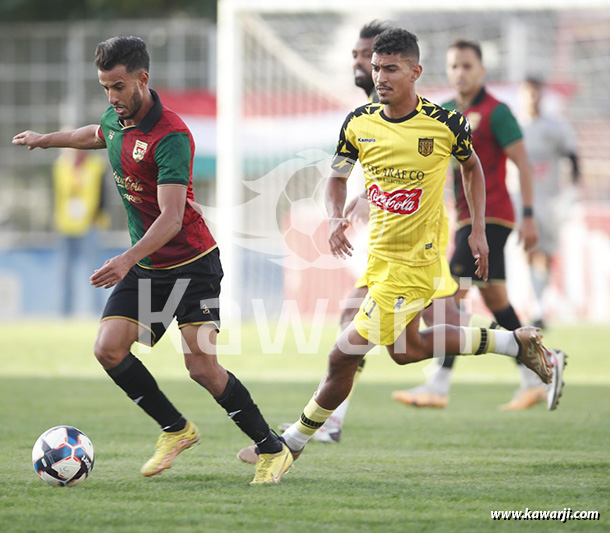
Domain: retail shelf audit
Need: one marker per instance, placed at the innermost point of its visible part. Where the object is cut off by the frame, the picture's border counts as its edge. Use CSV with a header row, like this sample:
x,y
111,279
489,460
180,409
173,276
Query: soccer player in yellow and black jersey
x,y
404,144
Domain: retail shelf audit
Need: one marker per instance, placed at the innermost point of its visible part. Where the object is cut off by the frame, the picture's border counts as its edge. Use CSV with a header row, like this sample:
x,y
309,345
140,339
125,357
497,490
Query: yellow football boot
x,y
169,446
270,467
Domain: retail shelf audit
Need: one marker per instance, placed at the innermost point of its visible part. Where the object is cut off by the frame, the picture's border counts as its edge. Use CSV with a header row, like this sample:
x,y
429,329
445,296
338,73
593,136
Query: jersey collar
x,y
479,97
405,118
475,102
151,118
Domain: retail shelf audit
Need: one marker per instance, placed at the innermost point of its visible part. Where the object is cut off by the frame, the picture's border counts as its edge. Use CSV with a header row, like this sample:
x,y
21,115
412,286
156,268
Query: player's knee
x,y
108,354
404,355
209,374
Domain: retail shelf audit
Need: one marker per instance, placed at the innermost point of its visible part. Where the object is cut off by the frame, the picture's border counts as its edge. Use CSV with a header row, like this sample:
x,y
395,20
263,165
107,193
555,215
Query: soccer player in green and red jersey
x,y
173,266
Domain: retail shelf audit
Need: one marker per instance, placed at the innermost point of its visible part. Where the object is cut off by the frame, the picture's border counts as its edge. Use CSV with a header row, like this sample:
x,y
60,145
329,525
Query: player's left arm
x,y
171,200
528,232
508,134
568,147
474,190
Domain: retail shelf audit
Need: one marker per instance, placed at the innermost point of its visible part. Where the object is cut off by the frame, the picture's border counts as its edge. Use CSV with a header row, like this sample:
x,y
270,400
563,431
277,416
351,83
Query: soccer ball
x,y
62,456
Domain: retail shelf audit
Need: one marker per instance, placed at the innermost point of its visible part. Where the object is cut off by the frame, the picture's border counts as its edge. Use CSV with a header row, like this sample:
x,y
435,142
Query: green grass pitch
x,y
396,469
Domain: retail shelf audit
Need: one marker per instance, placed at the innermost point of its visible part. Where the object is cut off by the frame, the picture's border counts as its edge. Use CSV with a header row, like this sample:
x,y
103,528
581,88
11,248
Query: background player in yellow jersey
x,y
404,145
78,193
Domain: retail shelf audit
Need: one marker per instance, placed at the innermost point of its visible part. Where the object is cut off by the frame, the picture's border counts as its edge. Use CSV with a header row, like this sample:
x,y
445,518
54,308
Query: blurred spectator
x,y
78,185
548,139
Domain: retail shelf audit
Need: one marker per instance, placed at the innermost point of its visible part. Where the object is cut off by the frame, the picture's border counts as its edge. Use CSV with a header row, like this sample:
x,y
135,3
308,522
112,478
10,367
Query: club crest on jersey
x,y
139,150
425,147
474,119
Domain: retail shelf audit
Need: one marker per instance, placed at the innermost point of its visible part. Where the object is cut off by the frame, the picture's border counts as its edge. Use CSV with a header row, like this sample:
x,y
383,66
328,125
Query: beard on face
x,y
365,83
135,103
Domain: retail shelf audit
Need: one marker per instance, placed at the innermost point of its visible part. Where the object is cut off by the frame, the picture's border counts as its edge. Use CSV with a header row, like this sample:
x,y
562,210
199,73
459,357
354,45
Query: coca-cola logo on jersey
x,y
401,201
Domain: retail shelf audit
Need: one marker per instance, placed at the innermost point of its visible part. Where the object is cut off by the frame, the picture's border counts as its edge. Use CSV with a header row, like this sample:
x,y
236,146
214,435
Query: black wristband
x,y
528,212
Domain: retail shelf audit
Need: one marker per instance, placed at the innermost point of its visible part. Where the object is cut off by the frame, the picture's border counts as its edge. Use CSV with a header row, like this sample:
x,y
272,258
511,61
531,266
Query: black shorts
x,y
189,292
462,263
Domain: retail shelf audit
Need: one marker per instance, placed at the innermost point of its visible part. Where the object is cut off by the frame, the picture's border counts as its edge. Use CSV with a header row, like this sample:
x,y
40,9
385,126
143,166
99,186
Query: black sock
x,y
139,384
508,319
448,362
238,404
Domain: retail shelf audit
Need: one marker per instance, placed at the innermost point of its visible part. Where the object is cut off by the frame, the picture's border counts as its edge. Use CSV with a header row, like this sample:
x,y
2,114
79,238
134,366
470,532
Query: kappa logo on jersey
x,y
398,303
401,201
425,147
139,150
110,135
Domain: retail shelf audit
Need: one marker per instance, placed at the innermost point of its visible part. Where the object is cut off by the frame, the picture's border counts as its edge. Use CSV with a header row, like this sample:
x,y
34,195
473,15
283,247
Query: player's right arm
x,y
85,138
343,162
336,193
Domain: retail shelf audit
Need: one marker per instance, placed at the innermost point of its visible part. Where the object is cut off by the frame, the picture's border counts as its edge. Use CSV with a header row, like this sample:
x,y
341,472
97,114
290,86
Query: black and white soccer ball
x,y
63,456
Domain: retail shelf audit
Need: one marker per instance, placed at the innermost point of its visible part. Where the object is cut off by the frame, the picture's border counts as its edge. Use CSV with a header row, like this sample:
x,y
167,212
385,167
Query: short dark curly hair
x,y
128,51
373,29
397,41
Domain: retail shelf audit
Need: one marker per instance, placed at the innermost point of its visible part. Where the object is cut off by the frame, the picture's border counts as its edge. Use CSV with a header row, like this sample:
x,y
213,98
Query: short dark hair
x,y
121,50
464,44
372,29
397,41
534,81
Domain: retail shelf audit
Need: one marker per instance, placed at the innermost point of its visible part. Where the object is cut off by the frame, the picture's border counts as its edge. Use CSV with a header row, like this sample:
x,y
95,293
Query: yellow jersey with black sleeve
x,y
405,167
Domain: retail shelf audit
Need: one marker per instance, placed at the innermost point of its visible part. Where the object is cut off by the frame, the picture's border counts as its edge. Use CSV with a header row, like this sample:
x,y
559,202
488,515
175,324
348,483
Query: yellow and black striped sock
x,y
477,341
312,418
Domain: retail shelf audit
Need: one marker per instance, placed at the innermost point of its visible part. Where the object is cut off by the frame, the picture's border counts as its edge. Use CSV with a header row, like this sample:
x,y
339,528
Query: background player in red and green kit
x,y
173,266
496,136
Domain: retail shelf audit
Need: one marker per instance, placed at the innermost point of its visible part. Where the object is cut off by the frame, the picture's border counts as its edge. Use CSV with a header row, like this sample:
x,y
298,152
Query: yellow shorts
x,y
360,282
396,294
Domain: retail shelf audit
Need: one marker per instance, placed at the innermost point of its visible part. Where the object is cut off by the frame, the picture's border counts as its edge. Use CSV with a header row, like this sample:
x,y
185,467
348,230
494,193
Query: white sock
x,y
506,343
440,381
338,417
294,439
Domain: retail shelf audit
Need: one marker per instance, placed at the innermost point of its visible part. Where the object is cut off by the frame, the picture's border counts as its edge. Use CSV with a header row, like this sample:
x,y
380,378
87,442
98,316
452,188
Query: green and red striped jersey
x,y
493,127
158,151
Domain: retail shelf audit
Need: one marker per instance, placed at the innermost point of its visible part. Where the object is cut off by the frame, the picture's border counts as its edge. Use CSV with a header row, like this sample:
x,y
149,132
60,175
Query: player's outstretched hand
x,y
31,139
339,243
480,251
528,233
112,271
